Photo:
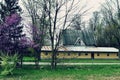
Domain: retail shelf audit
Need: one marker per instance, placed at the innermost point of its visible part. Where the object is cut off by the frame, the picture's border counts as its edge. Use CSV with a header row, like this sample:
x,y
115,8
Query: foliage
x,y
71,37
35,43
8,7
111,25
104,26
88,37
8,63
77,22
38,26
11,32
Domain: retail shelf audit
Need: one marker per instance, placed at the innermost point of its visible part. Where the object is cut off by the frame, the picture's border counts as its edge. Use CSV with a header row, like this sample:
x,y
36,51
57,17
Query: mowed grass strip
x,y
91,72
31,59
90,60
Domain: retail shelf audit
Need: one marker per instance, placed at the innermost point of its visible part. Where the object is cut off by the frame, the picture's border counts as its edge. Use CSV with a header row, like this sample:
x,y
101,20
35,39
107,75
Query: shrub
x,y
8,63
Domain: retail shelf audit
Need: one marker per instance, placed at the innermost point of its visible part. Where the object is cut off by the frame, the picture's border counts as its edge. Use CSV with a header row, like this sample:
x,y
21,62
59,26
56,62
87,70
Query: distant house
x,y
74,47
82,52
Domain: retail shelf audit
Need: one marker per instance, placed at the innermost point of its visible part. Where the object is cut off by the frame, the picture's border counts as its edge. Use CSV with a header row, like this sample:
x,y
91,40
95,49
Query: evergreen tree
x,y
9,7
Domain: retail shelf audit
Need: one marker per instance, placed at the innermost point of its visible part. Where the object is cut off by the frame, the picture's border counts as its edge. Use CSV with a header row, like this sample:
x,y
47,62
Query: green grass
x,y
28,59
93,72
31,59
90,60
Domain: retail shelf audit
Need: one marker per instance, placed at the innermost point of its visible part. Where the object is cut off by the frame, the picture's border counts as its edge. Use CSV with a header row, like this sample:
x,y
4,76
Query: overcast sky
x,y
94,5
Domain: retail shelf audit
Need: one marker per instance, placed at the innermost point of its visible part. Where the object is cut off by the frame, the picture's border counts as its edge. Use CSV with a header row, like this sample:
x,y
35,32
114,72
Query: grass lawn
x,y
31,59
93,72
90,61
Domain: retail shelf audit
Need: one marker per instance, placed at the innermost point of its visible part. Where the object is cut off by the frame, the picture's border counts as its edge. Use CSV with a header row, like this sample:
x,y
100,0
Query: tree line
x,y
103,29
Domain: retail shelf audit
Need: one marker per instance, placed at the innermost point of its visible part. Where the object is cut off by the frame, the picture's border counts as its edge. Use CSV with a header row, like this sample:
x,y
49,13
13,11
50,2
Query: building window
x,y
86,54
79,54
98,54
107,54
46,53
68,54
117,54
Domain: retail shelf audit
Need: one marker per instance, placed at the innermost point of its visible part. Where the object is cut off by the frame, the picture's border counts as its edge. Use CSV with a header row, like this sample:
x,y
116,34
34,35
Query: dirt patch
x,y
59,78
112,78
93,77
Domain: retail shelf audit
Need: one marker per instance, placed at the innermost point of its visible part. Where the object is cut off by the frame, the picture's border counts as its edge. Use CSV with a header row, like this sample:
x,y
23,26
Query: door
x,y
92,55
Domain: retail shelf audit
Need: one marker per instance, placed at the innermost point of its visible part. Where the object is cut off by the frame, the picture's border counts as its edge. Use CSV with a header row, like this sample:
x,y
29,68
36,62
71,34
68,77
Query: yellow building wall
x,y
44,56
81,56
65,55
104,56
74,55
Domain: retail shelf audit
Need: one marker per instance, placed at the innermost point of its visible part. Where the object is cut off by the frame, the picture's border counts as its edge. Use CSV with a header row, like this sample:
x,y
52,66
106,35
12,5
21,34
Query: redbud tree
x,y
11,29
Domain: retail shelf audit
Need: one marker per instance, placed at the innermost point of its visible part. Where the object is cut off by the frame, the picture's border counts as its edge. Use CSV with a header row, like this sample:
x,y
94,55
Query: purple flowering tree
x,y
35,43
10,26
11,34
11,29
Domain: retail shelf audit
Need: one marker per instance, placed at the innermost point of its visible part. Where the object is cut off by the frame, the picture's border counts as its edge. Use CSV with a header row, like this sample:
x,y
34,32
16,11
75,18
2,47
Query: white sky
x,y
94,5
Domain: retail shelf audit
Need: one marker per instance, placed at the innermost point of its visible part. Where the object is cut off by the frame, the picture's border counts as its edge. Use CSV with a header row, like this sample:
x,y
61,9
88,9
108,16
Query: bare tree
x,y
76,22
35,10
94,23
57,16
58,22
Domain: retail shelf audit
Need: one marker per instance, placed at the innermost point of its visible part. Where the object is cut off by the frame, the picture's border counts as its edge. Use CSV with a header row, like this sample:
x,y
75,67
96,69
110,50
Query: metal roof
x,y
81,49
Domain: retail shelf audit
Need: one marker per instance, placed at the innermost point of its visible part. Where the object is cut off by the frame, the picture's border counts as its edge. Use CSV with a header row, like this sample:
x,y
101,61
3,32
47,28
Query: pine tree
x,y
9,7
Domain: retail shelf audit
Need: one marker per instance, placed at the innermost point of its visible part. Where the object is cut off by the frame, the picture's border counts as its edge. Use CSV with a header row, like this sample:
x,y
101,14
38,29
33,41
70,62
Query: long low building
x,y
82,52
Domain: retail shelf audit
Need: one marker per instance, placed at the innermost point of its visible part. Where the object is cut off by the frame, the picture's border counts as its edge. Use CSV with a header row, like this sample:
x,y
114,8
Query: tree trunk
x,y
55,59
37,58
53,63
20,62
